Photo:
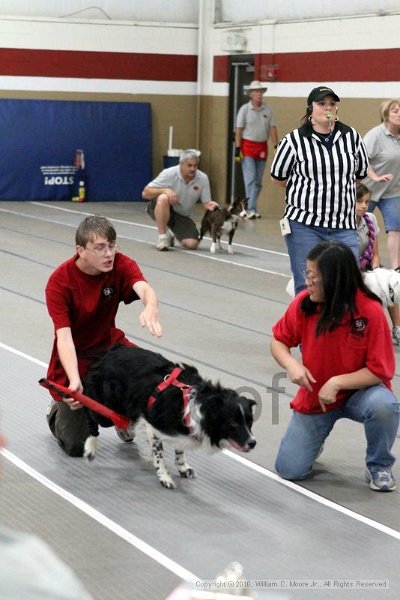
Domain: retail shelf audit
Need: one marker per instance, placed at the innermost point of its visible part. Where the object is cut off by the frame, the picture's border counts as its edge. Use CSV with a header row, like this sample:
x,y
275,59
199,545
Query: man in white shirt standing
x,y
173,195
255,125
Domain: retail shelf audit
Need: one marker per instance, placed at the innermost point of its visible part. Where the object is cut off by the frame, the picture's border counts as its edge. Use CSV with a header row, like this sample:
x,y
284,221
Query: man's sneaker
x,y
381,480
171,238
126,435
163,243
252,214
396,335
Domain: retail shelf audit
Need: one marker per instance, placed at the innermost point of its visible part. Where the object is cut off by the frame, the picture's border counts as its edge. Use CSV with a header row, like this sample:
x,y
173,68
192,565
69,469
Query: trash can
x,y
170,161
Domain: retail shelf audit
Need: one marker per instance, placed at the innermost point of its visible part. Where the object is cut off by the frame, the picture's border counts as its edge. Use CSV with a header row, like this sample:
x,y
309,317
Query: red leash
x,y
118,420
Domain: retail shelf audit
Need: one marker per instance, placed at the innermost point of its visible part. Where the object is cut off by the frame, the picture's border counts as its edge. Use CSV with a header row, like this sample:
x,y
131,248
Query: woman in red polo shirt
x,y
346,366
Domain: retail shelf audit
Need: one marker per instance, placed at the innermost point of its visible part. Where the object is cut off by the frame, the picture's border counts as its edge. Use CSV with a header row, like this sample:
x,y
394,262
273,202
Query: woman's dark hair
x,y
306,118
341,278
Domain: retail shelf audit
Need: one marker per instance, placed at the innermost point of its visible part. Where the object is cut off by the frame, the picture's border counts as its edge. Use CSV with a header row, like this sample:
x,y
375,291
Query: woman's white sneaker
x,y
381,480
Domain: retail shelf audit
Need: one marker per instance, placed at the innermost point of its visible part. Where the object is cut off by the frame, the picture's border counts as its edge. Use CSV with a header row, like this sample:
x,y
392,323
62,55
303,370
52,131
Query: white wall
x,y
265,37
187,11
285,10
178,11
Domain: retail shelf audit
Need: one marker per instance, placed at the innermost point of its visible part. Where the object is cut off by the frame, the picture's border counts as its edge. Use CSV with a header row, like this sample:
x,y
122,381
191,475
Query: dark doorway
x,y
241,73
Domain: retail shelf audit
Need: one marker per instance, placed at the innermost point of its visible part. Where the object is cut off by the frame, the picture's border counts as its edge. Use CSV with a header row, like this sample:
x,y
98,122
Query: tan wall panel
x,y
213,143
181,112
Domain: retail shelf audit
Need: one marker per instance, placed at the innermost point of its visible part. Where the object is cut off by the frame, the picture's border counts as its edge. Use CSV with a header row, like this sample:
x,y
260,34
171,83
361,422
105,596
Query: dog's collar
x,y
172,379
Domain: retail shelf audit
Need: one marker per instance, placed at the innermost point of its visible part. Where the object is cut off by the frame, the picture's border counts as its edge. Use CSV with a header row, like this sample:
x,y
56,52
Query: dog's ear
x,y
251,404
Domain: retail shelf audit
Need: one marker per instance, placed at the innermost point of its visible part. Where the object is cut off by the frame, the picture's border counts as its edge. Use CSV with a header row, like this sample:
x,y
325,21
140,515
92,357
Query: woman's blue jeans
x,y
376,407
303,239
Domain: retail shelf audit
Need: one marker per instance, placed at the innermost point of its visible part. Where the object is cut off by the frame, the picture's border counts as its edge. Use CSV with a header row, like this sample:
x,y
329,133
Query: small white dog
x,y
385,283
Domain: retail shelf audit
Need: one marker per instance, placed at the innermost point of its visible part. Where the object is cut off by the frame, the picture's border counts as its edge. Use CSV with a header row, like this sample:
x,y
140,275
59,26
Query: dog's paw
x,y
167,482
230,250
188,473
184,469
213,248
90,447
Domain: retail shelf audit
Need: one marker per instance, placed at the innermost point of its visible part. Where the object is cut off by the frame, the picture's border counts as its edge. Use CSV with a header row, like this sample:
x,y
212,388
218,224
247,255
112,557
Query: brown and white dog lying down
x,y
220,221
176,403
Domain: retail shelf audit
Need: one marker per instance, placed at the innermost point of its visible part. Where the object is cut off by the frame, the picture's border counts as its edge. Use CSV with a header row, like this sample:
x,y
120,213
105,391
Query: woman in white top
x,y
383,147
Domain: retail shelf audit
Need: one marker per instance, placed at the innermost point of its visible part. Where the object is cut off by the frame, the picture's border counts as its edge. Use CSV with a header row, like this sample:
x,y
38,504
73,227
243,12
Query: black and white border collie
x,y
222,221
177,404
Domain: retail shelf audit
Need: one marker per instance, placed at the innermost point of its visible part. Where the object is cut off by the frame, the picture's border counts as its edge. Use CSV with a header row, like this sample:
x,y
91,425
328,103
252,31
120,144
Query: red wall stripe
x,y
97,65
337,65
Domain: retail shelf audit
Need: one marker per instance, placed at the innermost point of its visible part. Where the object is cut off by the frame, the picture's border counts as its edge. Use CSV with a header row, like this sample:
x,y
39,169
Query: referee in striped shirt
x,y
319,164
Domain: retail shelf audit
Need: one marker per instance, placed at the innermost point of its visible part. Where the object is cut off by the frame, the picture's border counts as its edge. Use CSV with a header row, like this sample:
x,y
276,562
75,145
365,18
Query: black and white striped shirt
x,y
321,178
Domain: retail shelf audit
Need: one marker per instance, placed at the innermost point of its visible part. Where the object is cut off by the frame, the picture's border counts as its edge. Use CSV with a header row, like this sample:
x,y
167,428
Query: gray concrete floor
x,y
131,538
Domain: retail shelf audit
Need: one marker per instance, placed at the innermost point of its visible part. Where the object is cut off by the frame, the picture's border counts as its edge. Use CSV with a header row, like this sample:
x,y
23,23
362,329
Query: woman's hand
x,y
372,174
300,375
327,394
386,177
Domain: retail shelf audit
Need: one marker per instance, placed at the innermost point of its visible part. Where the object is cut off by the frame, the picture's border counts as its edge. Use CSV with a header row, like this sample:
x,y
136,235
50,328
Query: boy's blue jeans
x,y
376,407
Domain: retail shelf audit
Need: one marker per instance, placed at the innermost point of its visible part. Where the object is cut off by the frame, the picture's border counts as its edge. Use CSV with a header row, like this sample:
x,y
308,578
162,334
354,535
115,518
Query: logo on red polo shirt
x,y
358,326
108,292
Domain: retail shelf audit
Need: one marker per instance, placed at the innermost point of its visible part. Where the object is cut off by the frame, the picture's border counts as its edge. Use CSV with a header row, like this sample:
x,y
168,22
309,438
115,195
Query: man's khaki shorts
x,y
183,228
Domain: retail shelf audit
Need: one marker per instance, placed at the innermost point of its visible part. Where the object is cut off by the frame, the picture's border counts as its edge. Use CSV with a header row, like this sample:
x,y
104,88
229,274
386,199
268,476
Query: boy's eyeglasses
x,y
104,248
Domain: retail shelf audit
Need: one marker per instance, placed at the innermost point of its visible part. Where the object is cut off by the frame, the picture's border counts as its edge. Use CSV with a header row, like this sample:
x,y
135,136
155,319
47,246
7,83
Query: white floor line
x,y
193,253
316,497
23,355
234,263
153,227
273,476
131,539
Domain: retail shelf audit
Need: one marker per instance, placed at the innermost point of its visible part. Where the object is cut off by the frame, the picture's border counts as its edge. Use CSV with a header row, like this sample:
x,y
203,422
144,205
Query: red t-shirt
x,y
363,341
88,305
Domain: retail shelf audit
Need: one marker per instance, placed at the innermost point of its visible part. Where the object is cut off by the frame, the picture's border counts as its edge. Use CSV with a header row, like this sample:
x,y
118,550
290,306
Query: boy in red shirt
x,y
82,297
346,367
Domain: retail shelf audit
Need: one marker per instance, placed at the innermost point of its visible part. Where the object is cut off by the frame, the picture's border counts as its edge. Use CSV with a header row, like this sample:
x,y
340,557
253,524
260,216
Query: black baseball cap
x,y
320,92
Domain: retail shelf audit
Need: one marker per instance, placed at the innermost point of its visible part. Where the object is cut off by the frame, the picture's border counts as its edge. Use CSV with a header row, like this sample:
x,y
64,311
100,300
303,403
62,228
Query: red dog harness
x,y
172,379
